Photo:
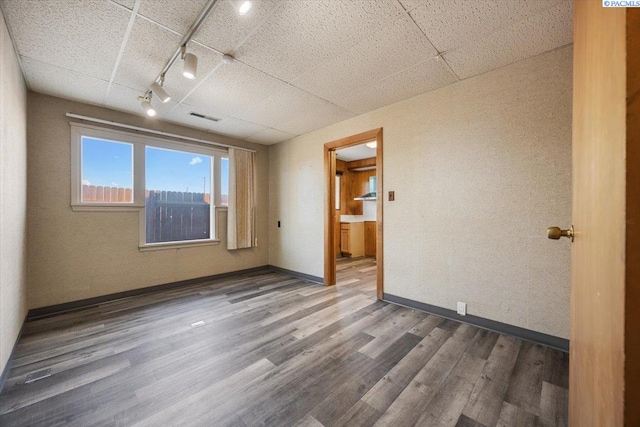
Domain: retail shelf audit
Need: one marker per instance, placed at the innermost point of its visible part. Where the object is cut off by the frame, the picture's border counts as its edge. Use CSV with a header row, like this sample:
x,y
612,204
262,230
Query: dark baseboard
x,y
503,328
52,310
7,367
303,276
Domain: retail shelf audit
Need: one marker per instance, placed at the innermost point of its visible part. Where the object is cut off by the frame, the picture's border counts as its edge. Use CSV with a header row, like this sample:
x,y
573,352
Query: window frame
x,y
79,131
219,203
140,142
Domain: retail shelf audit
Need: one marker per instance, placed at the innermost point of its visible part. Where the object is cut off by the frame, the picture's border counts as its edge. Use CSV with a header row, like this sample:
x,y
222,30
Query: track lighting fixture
x,y
189,60
146,104
190,66
158,89
242,7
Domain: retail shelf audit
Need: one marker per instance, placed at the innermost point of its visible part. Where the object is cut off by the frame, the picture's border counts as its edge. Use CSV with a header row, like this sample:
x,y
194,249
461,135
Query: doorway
x,y
339,236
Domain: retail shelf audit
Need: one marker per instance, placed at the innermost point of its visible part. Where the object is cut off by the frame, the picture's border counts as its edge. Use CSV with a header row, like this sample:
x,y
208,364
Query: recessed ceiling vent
x,y
202,116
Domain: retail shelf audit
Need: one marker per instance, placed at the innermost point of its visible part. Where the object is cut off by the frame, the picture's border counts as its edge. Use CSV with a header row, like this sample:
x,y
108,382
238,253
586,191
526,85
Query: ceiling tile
x,y
126,99
179,86
236,128
178,15
56,81
180,114
147,51
287,101
79,35
323,115
453,23
185,109
388,51
126,3
422,78
302,34
232,88
226,126
542,32
270,136
411,4
224,29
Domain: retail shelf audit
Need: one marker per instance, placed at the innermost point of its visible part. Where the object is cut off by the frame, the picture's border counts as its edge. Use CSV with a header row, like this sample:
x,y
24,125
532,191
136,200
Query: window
x,y
107,171
174,185
178,195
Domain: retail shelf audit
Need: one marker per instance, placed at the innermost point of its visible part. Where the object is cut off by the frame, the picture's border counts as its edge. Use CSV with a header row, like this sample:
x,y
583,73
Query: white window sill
x,y
177,245
85,207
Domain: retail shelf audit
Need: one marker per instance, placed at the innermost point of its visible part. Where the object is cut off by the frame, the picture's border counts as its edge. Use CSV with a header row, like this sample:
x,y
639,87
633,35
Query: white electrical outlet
x,y
462,308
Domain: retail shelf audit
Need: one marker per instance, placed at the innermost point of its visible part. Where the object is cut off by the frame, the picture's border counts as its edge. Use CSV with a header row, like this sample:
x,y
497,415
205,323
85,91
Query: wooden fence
x,y
175,216
170,215
97,193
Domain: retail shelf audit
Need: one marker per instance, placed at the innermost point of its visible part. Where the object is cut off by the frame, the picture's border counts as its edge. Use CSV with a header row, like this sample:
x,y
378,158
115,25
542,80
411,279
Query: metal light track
x,y
206,10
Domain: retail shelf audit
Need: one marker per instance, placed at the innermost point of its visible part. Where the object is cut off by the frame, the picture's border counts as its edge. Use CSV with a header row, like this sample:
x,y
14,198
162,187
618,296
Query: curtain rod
x,y
156,132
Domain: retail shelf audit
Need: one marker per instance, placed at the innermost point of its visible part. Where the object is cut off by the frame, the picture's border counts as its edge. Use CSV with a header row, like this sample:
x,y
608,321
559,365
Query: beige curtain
x,y
241,221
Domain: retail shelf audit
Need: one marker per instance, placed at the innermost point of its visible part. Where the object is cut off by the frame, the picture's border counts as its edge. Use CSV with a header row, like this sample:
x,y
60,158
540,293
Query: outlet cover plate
x,y
462,308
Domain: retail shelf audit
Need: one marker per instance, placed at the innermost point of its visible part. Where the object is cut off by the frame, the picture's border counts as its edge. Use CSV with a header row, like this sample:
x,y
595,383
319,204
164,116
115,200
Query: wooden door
x,y
604,363
370,238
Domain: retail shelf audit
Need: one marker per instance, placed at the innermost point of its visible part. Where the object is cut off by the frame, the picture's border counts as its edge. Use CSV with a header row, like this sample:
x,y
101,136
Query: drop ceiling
x,y
300,64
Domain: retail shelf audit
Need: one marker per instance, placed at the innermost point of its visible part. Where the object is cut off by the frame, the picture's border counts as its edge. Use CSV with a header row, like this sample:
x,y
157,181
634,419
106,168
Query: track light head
x,y
242,7
148,108
146,105
190,66
159,91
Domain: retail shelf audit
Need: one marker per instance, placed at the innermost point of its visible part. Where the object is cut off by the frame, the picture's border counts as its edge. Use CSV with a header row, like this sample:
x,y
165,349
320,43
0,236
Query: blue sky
x,y
107,163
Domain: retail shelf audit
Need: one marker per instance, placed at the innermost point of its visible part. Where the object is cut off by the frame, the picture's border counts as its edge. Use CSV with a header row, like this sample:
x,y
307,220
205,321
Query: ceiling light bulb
x,y
372,144
227,59
160,92
190,66
148,108
146,104
245,7
241,6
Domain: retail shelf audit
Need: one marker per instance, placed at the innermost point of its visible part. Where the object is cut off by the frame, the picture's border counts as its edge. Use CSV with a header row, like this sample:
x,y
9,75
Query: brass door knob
x,y
556,233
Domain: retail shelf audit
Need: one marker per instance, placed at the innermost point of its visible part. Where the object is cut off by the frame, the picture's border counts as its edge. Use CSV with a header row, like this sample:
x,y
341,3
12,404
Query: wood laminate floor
x,y
275,350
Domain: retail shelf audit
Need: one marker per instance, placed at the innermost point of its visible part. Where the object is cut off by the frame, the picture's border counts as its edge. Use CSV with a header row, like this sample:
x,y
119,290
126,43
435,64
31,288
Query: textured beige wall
x,y
77,255
480,169
13,199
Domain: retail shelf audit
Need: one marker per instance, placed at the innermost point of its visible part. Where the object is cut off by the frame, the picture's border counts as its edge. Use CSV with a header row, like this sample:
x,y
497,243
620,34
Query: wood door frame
x,y
330,211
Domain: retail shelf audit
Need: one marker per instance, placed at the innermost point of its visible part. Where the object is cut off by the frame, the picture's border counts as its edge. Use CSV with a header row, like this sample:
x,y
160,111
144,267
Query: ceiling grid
x,y
439,55
125,40
300,64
